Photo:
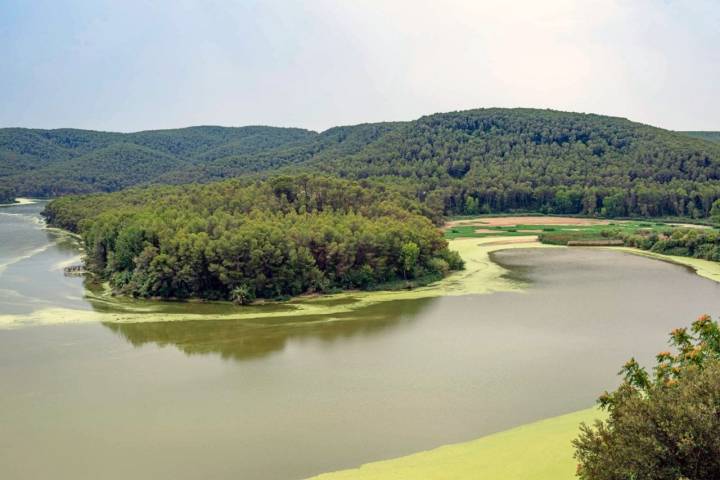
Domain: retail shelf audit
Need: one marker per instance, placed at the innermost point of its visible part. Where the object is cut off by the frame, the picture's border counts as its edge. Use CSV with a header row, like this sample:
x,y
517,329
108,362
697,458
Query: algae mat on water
x,y
536,451
705,268
480,276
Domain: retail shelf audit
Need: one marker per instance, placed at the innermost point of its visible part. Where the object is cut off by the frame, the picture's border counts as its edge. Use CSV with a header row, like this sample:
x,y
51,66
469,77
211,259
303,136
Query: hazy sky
x,y
132,65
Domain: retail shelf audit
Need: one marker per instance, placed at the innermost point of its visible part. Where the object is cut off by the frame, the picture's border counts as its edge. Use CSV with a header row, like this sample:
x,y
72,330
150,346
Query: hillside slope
x,y
468,162
497,160
56,162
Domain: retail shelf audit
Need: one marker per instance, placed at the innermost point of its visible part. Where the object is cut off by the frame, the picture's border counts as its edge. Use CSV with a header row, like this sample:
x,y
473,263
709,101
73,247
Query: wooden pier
x,y
74,270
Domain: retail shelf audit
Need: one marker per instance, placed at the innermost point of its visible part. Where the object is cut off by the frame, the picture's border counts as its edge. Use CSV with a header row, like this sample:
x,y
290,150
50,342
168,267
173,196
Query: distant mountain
x,y
56,162
475,161
711,136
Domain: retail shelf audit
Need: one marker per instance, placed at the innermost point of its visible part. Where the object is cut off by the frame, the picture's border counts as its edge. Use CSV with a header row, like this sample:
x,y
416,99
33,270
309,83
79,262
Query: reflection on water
x,y
101,303
239,340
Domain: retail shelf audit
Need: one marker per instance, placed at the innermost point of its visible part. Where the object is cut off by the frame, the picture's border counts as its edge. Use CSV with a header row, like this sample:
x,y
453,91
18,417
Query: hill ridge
x,y
463,162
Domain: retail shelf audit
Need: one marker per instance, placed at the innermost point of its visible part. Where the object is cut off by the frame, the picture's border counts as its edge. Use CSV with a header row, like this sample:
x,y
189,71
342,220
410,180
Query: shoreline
x,y
543,446
704,268
20,201
539,450
445,286
481,276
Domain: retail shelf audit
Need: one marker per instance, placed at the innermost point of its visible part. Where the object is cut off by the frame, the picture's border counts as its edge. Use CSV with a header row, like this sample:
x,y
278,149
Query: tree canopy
x,y
241,240
49,163
468,162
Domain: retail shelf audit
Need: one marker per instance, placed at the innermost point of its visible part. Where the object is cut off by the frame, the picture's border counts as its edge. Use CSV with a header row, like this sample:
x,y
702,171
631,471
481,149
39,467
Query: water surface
x,y
286,398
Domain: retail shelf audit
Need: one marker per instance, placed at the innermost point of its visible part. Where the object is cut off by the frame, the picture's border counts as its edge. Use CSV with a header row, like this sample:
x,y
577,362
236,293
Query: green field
x,y
574,231
524,230
536,451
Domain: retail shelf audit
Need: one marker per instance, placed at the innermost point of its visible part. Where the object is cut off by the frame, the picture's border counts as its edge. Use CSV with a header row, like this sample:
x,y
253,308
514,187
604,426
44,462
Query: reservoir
x,y
282,398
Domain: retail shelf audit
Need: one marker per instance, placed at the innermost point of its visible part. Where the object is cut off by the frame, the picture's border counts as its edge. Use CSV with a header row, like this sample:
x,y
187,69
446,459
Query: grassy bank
x,y
575,231
536,451
557,234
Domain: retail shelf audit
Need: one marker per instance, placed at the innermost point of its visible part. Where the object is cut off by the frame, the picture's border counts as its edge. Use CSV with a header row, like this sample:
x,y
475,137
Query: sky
x,y
128,65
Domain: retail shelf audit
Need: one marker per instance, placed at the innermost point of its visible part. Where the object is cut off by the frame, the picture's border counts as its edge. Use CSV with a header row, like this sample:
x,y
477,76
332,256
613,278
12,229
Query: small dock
x,y
74,270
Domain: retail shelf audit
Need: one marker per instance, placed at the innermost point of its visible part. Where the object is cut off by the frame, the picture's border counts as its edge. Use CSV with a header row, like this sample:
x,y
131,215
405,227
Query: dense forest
x,y
49,163
500,160
689,242
470,162
241,240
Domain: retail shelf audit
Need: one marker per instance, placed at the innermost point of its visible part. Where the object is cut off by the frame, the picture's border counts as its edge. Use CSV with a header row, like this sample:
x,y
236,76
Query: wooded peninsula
x,y
240,240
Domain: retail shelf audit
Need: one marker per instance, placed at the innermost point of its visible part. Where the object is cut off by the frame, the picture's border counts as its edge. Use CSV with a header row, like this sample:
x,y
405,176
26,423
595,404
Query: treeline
x,y
470,162
242,240
703,243
676,198
684,242
504,160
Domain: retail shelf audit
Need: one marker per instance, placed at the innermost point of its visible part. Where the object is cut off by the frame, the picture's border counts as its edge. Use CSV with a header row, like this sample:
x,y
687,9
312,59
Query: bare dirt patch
x,y
689,225
512,221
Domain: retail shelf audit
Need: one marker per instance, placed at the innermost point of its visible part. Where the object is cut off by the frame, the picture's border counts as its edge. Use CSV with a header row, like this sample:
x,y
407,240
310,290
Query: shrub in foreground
x,y
664,425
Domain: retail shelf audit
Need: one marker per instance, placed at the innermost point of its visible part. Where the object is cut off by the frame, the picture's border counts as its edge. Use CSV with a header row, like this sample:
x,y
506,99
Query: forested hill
x,y
469,162
498,160
46,163
710,136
